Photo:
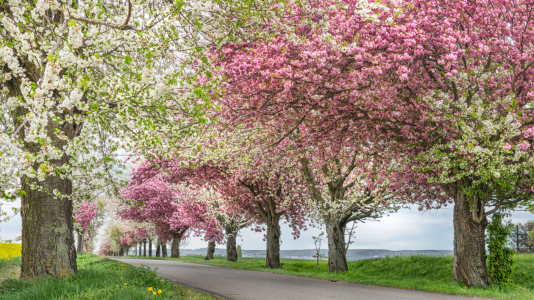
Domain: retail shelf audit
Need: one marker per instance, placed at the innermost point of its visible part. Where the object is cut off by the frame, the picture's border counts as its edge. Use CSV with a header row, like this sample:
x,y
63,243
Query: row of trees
x,y
341,112
337,110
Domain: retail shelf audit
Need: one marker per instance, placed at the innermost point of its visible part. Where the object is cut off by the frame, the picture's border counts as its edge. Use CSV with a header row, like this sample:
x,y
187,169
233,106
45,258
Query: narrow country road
x,y
241,284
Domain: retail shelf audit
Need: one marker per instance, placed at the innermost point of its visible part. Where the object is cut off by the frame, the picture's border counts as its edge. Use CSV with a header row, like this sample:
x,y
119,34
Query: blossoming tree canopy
x,y
85,214
71,71
88,218
449,82
470,125
175,210
201,180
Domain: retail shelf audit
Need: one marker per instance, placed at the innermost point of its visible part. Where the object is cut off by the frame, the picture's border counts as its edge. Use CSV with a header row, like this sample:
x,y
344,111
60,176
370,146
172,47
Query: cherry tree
x,y
474,106
84,216
343,190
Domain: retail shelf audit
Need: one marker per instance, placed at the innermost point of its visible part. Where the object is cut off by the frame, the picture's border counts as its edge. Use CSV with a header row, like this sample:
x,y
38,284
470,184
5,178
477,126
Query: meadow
x,y
97,278
9,260
418,272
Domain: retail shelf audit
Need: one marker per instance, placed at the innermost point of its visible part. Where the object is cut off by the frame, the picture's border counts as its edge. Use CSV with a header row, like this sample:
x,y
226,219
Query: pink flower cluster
x,y
171,208
85,214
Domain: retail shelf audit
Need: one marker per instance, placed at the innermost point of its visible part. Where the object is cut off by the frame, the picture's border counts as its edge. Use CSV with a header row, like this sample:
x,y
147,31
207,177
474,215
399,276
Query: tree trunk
x,y
272,260
469,263
139,249
158,248
149,247
47,227
79,248
231,243
164,250
211,250
175,248
144,248
335,232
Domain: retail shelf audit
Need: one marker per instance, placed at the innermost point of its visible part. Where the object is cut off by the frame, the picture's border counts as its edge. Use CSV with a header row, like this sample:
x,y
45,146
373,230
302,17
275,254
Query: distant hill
x,y
352,254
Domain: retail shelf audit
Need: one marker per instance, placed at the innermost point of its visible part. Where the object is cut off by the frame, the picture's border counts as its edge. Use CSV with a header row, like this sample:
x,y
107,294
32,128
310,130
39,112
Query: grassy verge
x,y
101,279
9,268
408,272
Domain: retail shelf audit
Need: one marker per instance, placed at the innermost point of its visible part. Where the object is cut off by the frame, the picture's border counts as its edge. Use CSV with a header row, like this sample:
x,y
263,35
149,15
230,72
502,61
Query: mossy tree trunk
x,y
47,228
469,264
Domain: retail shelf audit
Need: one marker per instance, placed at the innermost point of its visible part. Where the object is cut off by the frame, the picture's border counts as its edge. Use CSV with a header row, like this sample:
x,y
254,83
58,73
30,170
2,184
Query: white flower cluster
x,y
481,152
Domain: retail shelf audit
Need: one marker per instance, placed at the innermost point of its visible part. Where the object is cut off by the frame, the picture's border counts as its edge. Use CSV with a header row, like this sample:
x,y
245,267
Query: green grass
x,y
417,272
9,268
100,279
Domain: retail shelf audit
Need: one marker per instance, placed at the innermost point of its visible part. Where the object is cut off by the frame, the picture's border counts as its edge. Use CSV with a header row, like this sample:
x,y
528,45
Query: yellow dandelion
x,y
154,293
150,289
125,284
159,291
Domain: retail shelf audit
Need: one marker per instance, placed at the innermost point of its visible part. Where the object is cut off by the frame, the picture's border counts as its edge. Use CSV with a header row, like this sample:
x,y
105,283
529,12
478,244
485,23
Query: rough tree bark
x,y
273,243
231,243
175,247
158,249
149,247
79,248
335,232
144,248
469,264
47,228
211,250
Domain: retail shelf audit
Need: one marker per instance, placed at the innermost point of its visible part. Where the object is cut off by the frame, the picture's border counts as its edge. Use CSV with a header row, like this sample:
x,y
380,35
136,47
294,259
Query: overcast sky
x,y
405,230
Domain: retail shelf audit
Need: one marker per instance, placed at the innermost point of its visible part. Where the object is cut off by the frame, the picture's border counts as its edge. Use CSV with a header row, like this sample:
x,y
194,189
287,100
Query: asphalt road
x,y
241,284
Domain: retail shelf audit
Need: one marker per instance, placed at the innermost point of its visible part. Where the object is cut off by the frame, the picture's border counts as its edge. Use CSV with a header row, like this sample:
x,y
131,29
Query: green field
x,y
408,272
97,279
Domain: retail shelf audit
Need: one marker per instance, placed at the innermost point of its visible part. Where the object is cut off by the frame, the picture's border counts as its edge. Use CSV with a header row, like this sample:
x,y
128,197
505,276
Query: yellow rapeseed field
x,y
8,251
